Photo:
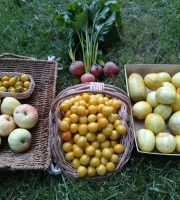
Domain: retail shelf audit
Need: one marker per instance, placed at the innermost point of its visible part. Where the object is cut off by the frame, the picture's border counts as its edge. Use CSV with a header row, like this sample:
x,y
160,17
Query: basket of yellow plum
x,y
15,84
91,131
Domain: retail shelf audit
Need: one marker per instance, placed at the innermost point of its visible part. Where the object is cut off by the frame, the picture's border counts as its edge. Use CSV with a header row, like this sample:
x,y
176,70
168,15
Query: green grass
x,y
150,35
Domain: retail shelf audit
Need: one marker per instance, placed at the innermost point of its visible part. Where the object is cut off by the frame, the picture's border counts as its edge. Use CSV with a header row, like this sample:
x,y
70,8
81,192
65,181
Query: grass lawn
x,y
151,34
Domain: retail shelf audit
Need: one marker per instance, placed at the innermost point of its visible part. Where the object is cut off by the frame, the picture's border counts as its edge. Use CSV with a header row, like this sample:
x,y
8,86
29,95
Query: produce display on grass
x,y
90,130
90,25
156,101
15,121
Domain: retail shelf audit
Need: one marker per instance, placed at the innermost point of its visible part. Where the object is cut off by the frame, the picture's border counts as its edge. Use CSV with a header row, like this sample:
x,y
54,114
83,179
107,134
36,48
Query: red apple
x,y
19,140
7,125
25,116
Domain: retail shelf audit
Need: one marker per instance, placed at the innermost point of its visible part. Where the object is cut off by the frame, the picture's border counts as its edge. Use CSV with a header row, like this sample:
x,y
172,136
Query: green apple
x,y
19,140
25,116
8,105
7,125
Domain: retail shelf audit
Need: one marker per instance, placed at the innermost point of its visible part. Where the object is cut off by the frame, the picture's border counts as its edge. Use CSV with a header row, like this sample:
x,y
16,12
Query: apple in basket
x,y
25,116
8,105
7,125
19,140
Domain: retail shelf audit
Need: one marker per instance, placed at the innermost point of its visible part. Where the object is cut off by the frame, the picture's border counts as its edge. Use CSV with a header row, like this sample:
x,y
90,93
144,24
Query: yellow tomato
x,y
105,144
102,122
96,144
99,115
93,101
99,107
91,137
101,137
74,118
81,110
101,170
92,118
82,103
26,84
116,104
107,131
112,118
101,100
82,171
110,167
91,171
73,127
114,135
83,119
117,122
121,129
78,152
114,158
119,148
64,125
106,152
92,109
90,150
104,160
94,162
67,147
85,159
97,153
76,163
69,156
107,110
76,137
81,141
83,129
93,127
85,97
64,107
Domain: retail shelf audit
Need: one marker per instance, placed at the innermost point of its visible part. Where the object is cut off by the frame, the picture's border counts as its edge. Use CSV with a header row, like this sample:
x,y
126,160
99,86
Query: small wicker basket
x,y
23,95
55,116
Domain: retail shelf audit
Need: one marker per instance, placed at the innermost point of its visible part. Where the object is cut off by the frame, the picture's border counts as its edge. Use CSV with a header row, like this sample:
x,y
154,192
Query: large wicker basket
x,y
55,116
44,74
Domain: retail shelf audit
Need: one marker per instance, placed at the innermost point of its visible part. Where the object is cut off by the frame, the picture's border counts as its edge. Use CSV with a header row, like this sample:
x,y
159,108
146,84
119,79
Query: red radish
x,y
96,70
86,78
77,68
110,69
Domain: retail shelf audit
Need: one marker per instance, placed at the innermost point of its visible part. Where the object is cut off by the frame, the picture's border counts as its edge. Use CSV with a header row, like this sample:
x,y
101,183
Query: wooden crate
x,y
143,70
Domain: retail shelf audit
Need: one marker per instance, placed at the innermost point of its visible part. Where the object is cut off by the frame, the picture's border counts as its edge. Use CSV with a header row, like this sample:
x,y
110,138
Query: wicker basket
x,y
44,74
23,95
55,116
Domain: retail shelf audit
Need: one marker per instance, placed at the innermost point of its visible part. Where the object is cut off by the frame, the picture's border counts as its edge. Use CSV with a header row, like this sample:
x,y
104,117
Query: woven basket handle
x,y
15,56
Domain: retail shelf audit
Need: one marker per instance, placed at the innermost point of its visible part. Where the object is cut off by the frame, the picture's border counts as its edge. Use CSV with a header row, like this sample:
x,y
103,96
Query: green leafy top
x,y
90,23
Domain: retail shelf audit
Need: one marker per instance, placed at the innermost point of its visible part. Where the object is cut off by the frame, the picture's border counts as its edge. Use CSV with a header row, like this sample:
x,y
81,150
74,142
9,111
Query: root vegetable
x,y
110,69
77,68
96,70
86,78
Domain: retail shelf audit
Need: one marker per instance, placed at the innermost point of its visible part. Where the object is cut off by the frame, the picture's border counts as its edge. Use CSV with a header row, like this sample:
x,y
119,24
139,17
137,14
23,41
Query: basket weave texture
x,y
55,116
23,95
44,74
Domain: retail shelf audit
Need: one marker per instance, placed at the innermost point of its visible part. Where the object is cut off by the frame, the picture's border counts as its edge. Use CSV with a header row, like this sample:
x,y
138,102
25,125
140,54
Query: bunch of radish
x,y
90,25
96,71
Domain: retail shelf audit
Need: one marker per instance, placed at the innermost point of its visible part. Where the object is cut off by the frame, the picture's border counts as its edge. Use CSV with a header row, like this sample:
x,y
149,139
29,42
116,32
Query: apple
x,y
8,105
19,140
7,125
25,116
